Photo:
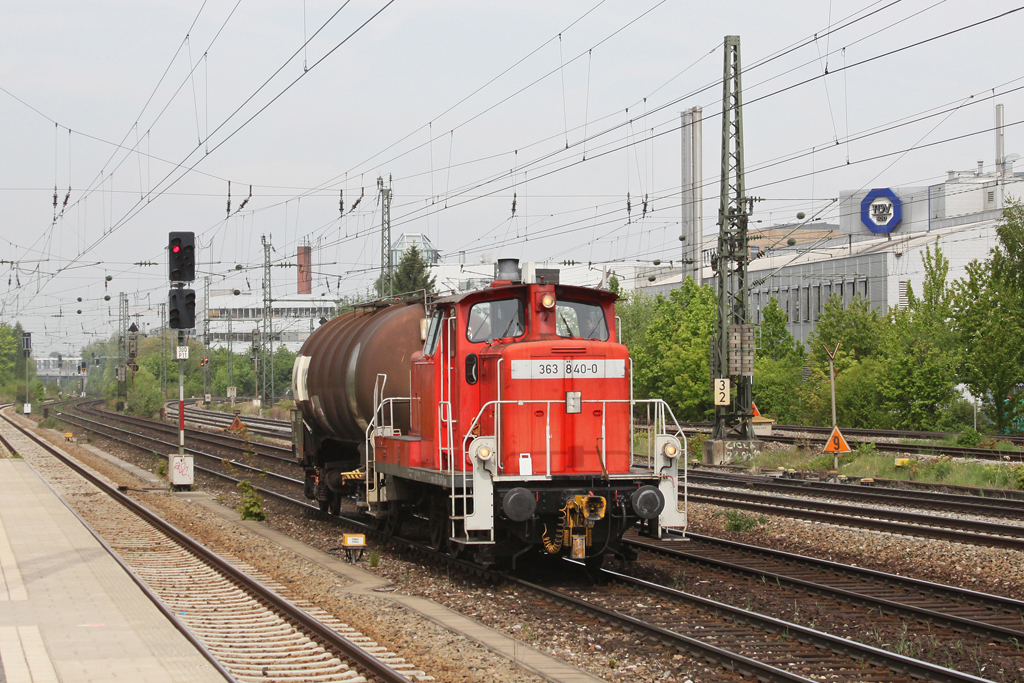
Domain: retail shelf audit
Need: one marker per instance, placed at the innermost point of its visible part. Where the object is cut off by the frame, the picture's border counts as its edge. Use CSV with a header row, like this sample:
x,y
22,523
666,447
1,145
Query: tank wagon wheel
x,y
335,504
325,505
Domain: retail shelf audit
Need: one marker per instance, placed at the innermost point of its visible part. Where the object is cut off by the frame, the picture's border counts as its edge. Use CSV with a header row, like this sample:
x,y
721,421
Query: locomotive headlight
x,y
668,446
547,301
483,447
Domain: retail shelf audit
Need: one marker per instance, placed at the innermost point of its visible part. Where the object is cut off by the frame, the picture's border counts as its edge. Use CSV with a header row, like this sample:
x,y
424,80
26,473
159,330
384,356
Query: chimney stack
x,y
304,259
1000,149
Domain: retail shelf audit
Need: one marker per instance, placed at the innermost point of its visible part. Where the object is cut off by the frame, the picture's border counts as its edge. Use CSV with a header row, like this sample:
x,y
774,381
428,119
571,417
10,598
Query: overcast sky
x,y
569,107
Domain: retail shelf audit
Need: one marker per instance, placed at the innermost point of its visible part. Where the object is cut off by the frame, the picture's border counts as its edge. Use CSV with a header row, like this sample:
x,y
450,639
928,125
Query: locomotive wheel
x,y
437,525
457,550
593,565
392,524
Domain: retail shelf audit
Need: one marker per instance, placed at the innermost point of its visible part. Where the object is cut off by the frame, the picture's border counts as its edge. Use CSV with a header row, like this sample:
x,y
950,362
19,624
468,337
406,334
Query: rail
x,y
360,657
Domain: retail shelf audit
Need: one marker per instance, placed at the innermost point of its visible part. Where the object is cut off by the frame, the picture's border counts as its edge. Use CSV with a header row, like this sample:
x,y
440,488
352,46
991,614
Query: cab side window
x,y
433,333
580,319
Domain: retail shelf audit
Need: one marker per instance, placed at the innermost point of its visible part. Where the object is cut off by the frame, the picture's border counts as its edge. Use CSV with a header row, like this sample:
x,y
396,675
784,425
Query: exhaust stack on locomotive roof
x,y
508,270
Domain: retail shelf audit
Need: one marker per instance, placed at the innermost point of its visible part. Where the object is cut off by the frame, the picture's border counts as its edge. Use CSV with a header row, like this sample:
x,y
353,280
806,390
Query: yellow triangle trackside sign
x,y
836,442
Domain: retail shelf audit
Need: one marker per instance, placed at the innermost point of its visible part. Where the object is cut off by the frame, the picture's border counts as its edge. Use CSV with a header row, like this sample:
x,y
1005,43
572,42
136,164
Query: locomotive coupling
x,y
591,508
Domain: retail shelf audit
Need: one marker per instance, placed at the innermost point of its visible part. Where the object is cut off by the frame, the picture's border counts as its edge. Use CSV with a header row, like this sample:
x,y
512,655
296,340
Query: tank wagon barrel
x,y
342,363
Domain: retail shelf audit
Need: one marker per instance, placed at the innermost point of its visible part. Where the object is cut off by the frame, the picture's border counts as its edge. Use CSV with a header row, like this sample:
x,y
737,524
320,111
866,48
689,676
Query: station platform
x,y
68,612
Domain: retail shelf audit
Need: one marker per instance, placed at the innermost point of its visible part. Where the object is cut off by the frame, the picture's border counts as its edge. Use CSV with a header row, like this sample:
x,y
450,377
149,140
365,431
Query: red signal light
x,y
175,248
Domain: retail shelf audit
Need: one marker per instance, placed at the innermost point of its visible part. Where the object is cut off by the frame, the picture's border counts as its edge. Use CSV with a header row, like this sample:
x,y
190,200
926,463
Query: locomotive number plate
x,y
562,368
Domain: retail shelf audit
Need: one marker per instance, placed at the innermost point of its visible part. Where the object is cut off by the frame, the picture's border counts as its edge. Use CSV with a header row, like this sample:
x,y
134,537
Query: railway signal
x,y
26,348
181,316
181,307
181,259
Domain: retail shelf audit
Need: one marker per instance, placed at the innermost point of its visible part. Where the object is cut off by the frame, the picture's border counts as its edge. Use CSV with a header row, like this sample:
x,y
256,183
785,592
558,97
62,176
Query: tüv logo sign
x,y
881,210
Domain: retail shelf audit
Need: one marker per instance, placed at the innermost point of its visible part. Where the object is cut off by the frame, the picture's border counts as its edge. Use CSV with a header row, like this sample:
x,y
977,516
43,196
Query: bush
x,y
970,438
738,521
251,505
939,469
51,423
695,444
827,461
144,398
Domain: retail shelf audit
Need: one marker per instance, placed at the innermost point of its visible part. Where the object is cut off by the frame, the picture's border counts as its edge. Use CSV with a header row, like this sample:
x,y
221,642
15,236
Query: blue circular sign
x,y
881,210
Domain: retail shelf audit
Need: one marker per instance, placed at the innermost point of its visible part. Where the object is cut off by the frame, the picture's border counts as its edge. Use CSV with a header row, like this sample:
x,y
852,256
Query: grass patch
x,y
867,462
52,423
794,458
739,521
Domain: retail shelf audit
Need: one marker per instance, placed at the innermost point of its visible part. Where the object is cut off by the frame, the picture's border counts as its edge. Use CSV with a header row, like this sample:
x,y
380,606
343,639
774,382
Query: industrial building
x,y
876,250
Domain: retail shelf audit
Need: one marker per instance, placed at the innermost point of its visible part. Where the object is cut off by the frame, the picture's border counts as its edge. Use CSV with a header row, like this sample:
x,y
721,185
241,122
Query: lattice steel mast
x,y
733,345
387,283
266,346
122,346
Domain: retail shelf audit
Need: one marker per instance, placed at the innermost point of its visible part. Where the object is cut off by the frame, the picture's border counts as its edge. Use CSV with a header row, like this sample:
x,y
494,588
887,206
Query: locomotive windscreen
x,y
495,319
581,319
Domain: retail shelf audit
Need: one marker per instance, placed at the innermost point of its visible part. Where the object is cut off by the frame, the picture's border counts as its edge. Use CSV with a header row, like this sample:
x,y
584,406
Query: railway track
x,y
770,649
256,425
216,465
748,643
269,451
873,433
800,438
991,616
991,506
241,622
893,521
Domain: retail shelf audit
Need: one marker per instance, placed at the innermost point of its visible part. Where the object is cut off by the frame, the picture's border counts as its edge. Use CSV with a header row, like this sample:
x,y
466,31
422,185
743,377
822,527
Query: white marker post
x,y
832,383
180,466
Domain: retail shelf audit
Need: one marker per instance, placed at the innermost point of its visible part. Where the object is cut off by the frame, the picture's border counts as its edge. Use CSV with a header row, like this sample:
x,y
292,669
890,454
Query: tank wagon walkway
x,y
68,611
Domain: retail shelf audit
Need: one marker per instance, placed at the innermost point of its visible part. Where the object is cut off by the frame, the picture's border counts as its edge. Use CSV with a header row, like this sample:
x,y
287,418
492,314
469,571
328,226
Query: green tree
x,y
411,275
857,400
144,396
776,341
635,311
614,286
10,348
283,362
988,314
857,327
674,357
777,387
920,353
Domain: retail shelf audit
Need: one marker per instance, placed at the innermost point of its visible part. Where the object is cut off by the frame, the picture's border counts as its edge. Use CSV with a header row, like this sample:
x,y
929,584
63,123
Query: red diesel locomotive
x,y
502,417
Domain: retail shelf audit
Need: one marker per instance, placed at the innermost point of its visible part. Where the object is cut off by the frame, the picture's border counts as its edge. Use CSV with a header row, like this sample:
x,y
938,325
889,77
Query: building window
x,y
904,301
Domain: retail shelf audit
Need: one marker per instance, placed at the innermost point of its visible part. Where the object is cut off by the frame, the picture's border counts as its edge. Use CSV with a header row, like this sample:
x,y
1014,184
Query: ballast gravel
x,y
602,650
